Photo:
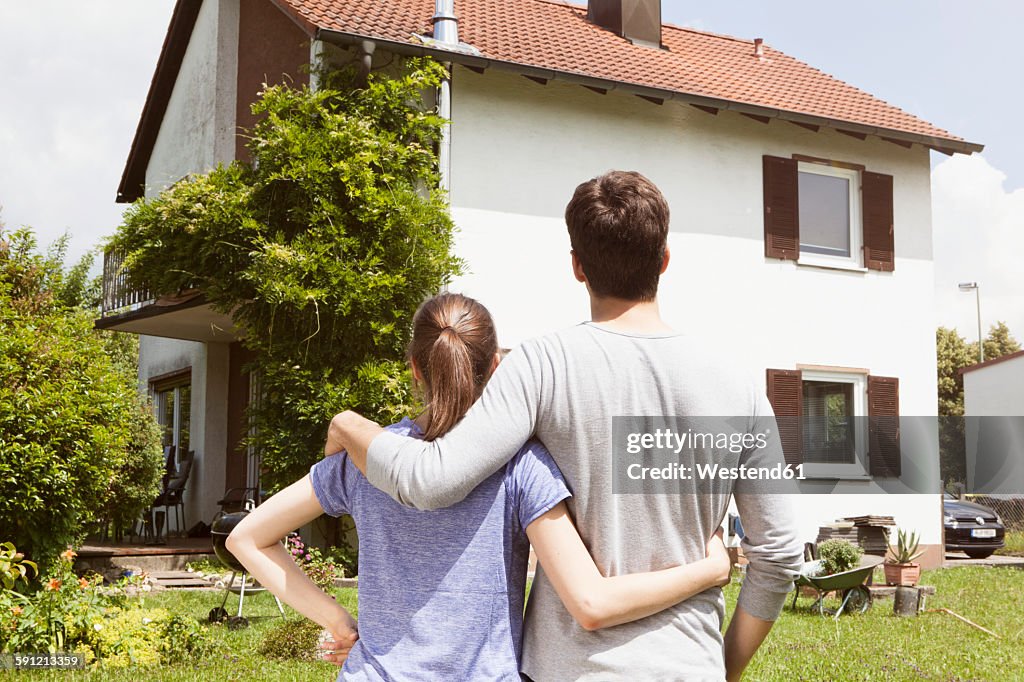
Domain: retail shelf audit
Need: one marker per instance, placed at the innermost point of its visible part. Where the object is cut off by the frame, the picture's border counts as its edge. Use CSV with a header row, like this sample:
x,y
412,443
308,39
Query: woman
x,y
441,593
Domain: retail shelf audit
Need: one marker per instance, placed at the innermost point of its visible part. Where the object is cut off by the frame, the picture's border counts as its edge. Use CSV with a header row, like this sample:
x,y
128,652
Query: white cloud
x,y
72,96
979,236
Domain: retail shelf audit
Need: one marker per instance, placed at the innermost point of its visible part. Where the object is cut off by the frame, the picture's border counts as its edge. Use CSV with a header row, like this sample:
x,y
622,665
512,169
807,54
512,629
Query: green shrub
x,y
69,613
295,639
321,249
838,556
322,571
72,424
147,637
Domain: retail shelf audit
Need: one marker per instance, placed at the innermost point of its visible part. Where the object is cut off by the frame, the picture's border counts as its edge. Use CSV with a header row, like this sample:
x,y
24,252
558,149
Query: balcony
x,y
185,315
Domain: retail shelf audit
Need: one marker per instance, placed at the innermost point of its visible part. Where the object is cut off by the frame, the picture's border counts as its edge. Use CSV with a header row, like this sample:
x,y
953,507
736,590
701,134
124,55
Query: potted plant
x,y
900,568
837,556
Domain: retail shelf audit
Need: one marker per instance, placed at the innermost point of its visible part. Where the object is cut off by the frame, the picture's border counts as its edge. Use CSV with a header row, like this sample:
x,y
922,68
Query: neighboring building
x,y
994,430
801,236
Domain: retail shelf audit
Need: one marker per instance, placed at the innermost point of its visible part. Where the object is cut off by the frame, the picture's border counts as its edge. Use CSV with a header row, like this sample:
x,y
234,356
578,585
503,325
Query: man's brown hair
x,y
618,227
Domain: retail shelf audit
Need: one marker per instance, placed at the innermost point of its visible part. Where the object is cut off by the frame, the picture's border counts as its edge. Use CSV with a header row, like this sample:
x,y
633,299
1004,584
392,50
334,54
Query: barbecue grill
x,y
222,527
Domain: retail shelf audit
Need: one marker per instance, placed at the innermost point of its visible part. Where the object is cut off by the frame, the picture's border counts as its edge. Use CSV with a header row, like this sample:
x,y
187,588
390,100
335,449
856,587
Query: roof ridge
x,y
664,24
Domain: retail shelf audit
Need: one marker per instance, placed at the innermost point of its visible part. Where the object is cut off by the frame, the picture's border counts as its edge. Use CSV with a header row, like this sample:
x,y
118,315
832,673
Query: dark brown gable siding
x,y
877,215
781,208
786,394
272,49
884,426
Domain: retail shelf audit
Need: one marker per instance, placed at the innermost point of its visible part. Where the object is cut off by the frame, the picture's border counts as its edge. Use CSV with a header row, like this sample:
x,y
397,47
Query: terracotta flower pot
x,y
902,574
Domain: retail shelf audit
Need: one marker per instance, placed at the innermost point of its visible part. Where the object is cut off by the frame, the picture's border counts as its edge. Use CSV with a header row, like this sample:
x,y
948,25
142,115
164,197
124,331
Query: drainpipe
x,y
446,30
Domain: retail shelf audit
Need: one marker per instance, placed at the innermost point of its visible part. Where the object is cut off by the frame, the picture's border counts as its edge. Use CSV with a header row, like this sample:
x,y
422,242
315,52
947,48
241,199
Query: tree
x,y
71,420
953,354
998,343
320,249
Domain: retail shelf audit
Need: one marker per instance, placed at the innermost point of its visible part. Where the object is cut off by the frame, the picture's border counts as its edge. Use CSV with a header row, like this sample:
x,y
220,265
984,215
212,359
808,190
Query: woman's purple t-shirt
x,y
441,593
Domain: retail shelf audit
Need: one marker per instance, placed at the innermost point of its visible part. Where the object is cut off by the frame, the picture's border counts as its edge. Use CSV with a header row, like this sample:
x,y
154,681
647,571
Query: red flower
x,y
83,583
68,555
53,585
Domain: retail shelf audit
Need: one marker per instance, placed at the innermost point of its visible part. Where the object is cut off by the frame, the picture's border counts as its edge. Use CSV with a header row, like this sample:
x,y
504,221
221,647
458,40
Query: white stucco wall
x,y
197,132
995,390
994,407
520,149
198,128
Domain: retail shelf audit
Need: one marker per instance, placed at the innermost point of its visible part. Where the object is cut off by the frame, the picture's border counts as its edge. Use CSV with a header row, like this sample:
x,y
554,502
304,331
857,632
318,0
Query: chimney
x,y
638,21
446,24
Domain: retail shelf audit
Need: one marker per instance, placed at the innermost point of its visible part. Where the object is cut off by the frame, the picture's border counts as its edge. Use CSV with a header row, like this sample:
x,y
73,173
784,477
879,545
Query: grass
x,y
1014,543
802,646
880,646
235,658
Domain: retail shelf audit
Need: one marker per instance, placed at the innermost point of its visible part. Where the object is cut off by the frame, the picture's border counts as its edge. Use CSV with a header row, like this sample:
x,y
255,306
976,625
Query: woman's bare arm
x,y
599,602
256,542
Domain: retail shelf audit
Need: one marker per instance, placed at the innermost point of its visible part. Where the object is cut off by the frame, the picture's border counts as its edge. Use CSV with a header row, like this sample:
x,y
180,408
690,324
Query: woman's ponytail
x,y
453,345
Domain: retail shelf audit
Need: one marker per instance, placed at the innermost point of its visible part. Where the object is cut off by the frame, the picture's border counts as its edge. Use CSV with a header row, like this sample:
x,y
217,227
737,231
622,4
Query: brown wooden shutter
x,y
884,426
781,208
786,394
876,200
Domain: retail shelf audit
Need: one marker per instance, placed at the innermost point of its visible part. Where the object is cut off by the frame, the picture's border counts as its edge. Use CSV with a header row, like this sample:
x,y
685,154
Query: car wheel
x,y
978,553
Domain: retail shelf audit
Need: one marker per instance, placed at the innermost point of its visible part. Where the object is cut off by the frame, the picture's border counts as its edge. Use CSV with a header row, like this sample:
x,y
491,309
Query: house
x,y
801,236
994,427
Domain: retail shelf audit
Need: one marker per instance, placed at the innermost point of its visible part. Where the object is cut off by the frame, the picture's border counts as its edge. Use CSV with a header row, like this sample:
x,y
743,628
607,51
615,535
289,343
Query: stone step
x,y
177,579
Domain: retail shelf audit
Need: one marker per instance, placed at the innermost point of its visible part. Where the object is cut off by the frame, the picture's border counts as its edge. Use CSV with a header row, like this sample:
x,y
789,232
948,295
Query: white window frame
x,y
172,390
858,468
855,261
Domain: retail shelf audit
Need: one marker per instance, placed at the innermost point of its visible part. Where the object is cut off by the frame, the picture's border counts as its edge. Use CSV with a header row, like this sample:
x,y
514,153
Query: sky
x,y
74,76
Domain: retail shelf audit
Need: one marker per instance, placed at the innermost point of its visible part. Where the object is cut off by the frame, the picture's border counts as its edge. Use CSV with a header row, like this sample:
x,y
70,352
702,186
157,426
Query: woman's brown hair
x,y
453,345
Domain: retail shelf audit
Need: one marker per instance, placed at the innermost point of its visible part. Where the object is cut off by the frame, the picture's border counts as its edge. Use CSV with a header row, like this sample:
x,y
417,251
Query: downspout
x,y
446,31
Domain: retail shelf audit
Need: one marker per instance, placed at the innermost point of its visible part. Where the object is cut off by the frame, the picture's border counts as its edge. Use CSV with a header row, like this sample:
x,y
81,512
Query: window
x,y
172,397
838,423
830,404
829,213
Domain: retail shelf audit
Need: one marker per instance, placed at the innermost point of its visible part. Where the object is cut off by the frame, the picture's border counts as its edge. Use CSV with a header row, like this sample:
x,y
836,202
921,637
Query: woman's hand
x,y
718,556
336,640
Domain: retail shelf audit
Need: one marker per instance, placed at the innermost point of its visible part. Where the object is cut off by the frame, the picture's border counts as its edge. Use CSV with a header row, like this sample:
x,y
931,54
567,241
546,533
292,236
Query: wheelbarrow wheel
x,y
858,600
217,615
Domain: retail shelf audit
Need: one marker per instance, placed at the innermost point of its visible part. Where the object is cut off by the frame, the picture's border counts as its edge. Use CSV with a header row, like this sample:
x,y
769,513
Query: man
x,y
565,388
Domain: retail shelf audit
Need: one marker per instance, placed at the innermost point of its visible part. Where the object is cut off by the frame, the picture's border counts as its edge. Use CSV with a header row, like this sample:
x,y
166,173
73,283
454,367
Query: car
x,y
971,528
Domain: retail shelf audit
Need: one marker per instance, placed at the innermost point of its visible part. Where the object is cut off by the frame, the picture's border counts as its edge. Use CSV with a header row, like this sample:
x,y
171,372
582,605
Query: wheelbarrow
x,y
848,585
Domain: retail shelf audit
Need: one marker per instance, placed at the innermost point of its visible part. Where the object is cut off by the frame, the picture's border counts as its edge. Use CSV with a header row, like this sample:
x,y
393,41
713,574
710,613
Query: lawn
x,y
1014,543
932,646
235,659
803,645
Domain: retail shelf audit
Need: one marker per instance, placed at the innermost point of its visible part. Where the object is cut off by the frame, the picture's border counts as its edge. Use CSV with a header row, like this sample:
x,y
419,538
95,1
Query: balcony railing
x,y
118,295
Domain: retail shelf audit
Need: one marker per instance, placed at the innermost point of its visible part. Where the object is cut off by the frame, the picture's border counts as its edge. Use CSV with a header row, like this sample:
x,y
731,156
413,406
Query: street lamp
x,y
967,286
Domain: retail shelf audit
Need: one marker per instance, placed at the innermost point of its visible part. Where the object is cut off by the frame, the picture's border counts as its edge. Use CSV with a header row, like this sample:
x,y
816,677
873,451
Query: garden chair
x,y
173,495
236,500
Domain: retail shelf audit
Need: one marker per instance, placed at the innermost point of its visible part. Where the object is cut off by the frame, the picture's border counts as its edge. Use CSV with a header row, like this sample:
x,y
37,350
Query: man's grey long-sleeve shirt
x,y
565,388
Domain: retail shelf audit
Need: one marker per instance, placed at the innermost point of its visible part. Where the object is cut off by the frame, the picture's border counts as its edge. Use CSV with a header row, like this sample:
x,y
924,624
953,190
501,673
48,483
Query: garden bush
x,y
320,248
76,440
111,628
838,556
295,639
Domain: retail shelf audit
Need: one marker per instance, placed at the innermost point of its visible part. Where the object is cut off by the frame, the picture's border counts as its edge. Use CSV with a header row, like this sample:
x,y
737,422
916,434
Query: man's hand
x,y
717,552
336,642
352,433
336,433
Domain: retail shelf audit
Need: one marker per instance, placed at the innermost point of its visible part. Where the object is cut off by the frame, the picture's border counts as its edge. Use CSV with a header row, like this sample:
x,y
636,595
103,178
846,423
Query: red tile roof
x,y
555,36
552,39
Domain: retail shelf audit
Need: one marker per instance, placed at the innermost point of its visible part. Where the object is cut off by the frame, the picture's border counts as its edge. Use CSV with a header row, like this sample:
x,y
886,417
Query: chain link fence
x,y
1011,512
